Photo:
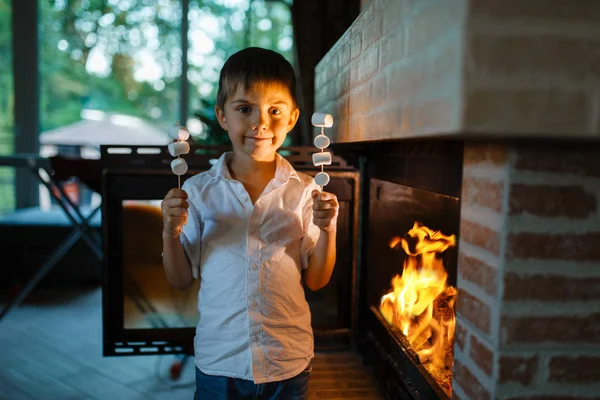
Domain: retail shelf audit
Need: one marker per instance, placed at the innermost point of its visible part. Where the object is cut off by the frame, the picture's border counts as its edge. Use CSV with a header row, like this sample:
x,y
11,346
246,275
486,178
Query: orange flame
x,y
421,304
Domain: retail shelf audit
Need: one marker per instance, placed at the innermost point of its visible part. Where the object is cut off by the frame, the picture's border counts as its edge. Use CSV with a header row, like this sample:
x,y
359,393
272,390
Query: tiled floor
x,y
50,348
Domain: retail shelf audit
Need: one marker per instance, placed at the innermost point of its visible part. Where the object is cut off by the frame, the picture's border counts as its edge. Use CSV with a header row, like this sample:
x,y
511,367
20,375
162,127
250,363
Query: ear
x,y
221,117
293,118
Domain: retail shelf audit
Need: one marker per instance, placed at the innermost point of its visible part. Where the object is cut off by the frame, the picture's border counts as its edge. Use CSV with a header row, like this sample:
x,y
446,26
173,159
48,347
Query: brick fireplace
x,y
517,83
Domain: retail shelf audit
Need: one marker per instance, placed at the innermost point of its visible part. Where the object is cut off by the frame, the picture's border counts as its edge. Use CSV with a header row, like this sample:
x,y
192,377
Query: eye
x,y
244,109
275,111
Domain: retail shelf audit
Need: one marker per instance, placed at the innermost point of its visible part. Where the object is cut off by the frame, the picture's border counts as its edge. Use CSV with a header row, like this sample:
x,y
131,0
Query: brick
x,y
527,111
469,383
481,355
474,310
460,336
378,90
476,271
430,23
573,247
372,28
433,116
392,46
543,10
579,160
555,329
565,58
568,201
456,396
395,12
482,193
477,152
367,65
355,45
550,288
480,236
582,369
517,369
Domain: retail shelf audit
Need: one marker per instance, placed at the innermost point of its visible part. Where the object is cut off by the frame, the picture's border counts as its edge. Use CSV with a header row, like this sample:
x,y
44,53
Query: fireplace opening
x,y
408,243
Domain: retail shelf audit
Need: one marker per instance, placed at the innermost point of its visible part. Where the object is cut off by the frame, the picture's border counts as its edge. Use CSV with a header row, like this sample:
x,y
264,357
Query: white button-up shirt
x,y
254,323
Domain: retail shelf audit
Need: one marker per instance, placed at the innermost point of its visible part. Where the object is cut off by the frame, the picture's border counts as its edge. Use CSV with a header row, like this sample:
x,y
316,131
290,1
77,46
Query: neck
x,y
243,166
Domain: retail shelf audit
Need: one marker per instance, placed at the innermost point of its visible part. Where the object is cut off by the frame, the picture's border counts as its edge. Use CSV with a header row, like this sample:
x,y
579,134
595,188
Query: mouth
x,y
258,139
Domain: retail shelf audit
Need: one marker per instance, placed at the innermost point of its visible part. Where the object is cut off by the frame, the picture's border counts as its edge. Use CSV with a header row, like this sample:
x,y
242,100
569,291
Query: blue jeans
x,y
209,387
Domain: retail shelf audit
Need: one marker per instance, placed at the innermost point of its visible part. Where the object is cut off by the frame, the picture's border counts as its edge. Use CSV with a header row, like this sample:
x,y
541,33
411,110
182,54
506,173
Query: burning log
x,y
421,304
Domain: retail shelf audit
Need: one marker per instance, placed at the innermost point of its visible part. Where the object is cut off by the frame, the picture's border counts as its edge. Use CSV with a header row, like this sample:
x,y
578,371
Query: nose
x,y
262,122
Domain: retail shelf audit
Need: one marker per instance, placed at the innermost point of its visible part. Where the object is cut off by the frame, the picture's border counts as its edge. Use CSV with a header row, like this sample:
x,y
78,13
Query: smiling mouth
x,y
258,138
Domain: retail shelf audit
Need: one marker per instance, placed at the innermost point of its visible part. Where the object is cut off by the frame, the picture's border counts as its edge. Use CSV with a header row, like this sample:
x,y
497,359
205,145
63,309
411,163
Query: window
x,y
7,174
111,71
219,28
110,74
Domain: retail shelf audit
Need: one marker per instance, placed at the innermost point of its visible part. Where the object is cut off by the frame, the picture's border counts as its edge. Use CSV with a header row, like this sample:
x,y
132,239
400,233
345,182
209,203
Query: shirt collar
x,y
283,169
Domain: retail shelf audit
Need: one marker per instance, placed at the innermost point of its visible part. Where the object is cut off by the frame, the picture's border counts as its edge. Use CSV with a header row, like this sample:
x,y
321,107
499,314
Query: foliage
x,y
124,56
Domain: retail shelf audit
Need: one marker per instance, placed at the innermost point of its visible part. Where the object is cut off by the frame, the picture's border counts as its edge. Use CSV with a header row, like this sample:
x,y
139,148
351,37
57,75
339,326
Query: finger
x,y
326,196
175,221
323,205
175,202
177,212
176,193
322,222
314,193
322,214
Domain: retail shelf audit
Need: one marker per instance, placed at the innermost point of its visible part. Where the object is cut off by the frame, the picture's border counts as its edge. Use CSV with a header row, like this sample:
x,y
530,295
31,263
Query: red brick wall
x,y
528,312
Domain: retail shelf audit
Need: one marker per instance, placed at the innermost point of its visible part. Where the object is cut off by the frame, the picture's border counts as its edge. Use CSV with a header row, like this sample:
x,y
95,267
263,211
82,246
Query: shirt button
x,y
244,199
254,339
253,303
252,230
254,267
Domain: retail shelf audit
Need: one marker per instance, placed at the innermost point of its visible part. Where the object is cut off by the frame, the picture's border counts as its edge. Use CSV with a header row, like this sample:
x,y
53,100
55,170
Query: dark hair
x,y
254,66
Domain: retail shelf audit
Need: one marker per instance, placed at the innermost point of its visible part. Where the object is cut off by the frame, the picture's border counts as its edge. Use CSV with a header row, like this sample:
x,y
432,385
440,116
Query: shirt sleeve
x,y
311,231
191,237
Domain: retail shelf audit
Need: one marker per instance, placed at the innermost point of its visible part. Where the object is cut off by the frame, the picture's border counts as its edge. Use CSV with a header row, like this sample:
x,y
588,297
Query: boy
x,y
251,228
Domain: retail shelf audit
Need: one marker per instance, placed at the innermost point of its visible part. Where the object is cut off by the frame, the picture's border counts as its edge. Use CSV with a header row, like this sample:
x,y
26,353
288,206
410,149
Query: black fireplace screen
x,y
142,313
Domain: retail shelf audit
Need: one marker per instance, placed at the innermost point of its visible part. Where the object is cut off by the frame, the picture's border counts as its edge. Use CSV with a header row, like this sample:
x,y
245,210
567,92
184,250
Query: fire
x,y
421,304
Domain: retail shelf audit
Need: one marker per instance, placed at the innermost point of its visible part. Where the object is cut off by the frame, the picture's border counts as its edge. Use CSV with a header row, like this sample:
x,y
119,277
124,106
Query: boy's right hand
x,y
174,211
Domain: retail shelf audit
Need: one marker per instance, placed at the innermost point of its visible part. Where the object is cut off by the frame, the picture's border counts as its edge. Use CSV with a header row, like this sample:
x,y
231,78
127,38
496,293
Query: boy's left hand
x,y
325,210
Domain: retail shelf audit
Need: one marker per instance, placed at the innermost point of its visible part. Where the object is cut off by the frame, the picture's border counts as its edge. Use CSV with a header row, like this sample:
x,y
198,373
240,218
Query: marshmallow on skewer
x,y
179,166
183,133
176,149
322,120
322,179
322,158
321,142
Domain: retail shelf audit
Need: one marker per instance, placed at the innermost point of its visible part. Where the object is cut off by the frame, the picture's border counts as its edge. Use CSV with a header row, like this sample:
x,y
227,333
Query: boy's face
x,y
258,119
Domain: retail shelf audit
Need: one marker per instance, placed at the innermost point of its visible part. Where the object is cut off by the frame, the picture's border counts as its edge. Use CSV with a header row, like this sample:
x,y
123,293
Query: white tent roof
x,y
98,128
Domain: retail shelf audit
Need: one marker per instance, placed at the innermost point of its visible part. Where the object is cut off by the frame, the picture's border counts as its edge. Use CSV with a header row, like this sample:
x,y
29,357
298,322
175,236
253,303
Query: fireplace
x,y
409,189
514,86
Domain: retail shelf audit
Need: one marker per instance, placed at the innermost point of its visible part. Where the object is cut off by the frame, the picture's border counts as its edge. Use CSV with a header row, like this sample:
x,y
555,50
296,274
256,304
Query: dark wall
x,y
318,24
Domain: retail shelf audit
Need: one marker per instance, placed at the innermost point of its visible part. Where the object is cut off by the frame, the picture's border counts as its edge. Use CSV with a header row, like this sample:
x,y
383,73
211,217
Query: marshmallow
x,y
322,179
323,158
183,133
179,166
178,148
321,142
173,131
322,120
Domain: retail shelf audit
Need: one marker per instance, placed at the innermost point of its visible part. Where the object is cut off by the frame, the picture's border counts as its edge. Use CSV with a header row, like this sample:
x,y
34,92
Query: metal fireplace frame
x,y
122,169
